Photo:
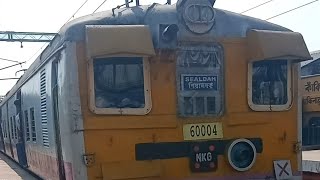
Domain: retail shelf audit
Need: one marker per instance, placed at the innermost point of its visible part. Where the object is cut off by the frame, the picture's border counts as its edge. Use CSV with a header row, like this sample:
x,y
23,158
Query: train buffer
x,y
9,170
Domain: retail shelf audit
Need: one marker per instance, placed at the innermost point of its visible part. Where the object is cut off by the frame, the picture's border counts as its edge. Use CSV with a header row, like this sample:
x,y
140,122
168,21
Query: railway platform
x,y
9,170
311,164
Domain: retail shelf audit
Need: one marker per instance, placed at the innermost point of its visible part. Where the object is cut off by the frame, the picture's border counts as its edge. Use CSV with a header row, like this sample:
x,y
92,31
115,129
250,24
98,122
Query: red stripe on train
x,y
47,166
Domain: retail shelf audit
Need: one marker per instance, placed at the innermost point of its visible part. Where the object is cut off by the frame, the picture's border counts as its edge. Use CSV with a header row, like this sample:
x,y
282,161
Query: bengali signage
x,y
312,86
199,82
311,93
311,103
311,100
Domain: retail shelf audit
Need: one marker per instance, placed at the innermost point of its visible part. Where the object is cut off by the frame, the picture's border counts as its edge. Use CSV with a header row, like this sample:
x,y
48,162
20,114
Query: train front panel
x,y
190,94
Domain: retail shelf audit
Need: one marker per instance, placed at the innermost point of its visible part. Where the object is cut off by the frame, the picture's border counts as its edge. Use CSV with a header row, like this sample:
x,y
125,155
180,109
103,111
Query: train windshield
x,y
119,82
269,82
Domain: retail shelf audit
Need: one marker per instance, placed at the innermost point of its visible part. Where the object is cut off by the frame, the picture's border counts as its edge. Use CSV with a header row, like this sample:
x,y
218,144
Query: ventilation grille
x,y
44,117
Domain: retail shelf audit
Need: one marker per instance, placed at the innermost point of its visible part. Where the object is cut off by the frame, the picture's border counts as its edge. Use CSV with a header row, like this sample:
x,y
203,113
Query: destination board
x,y
199,82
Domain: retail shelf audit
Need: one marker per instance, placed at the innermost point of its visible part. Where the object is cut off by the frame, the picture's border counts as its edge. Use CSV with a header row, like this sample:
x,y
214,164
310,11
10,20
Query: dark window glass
x,y
119,82
269,82
7,127
188,105
12,128
27,125
33,125
311,132
15,127
200,106
211,105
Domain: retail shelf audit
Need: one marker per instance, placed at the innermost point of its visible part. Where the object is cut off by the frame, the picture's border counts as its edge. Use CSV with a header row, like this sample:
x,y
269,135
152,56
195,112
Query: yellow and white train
x,y
183,91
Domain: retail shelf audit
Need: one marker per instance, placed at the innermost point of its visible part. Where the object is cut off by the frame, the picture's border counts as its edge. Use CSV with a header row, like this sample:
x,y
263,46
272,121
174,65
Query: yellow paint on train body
x,y
183,91
113,138
213,107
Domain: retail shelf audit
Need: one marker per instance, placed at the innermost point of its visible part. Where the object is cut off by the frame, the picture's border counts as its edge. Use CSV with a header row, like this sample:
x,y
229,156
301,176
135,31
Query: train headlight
x,y
241,154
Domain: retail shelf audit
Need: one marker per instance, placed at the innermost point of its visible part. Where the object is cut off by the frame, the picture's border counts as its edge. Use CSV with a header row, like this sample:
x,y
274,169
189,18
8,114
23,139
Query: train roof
x,y
315,55
227,24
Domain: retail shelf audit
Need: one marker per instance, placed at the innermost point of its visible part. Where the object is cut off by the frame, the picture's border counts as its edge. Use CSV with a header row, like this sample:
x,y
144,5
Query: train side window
x,y
11,128
121,85
6,128
269,85
119,78
3,128
15,127
314,122
2,123
33,125
26,115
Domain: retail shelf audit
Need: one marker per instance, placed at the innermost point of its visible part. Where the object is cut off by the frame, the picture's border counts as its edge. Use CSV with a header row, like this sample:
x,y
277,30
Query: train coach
x,y
182,91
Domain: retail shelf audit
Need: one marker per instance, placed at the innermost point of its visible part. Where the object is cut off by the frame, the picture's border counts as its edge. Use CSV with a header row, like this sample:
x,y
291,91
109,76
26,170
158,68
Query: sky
x,y
50,15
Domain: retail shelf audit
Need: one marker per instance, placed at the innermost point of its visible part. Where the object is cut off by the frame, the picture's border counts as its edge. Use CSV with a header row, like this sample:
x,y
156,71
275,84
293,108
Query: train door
x,y
55,88
21,148
1,132
9,127
1,138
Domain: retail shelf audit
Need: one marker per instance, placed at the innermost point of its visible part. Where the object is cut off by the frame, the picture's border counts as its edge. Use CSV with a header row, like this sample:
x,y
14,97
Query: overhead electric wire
x,y
68,21
1,79
10,66
280,13
76,11
19,63
9,60
37,51
292,10
256,6
99,6
59,28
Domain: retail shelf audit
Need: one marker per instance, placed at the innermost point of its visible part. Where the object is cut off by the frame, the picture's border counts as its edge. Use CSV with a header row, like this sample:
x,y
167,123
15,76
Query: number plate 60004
x,y
202,131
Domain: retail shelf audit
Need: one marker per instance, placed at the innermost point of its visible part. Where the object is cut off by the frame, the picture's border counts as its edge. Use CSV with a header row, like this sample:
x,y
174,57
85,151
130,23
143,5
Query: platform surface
x,y
9,170
311,161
